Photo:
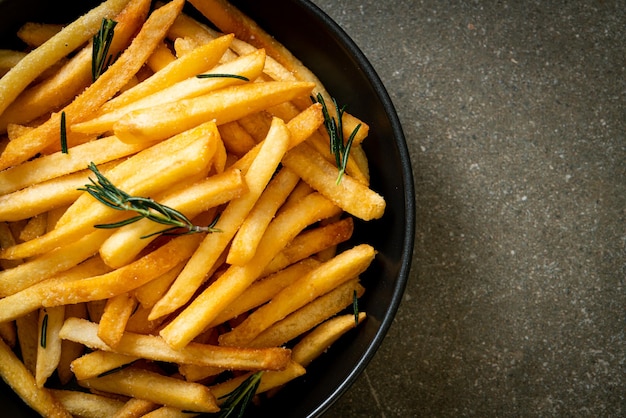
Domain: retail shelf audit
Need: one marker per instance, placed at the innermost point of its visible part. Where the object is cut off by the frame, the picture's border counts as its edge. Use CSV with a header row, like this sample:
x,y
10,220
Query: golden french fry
x,y
161,57
263,290
117,311
8,332
35,227
17,376
7,240
9,59
151,292
109,83
35,34
87,405
125,243
71,37
231,218
69,349
49,348
157,388
28,338
349,194
236,139
324,278
206,306
323,336
310,315
250,232
98,363
135,408
155,348
224,105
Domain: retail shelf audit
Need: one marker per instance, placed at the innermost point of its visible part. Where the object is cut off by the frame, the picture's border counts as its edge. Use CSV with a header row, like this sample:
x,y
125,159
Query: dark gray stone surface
x,y
515,116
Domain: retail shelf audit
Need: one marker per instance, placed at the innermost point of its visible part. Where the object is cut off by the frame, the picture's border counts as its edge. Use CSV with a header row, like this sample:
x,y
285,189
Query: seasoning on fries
x,y
170,223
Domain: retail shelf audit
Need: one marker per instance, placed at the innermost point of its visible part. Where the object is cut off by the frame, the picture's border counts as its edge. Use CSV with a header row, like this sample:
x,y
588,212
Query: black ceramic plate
x,y
326,49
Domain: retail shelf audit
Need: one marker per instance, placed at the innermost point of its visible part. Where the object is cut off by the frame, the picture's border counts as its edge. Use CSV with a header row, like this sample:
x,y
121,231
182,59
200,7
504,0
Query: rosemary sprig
x,y
338,147
43,338
108,194
239,399
100,58
355,307
63,134
237,76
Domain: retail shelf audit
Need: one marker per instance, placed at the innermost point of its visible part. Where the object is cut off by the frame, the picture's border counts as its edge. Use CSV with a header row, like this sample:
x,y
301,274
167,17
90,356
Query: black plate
x,y
327,50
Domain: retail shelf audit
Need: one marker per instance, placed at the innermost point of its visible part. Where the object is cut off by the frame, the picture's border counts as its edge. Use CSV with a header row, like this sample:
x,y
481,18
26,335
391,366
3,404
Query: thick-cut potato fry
x,y
263,290
249,66
231,218
324,278
87,405
310,315
150,293
190,154
154,387
155,348
135,408
99,362
109,83
323,336
250,232
46,196
161,57
311,242
206,306
236,139
49,348
349,194
71,37
125,243
117,311
17,376
48,264
224,105
35,227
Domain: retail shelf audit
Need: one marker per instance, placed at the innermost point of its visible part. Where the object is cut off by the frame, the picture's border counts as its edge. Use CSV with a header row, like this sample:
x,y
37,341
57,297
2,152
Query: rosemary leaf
x,y
239,77
239,399
44,331
355,308
100,58
63,134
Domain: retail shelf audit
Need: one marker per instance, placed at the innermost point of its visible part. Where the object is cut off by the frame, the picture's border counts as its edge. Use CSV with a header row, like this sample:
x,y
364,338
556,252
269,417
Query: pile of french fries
x,y
127,321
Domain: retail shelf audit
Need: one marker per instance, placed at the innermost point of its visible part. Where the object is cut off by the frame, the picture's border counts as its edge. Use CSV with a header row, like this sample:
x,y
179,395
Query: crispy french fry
x,y
310,315
154,387
124,245
250,232
87,405
8,332
224,105
323,336
28,337
135,408
206,306
49,348
151,292
109,83
236,139
349,194
231,218
35,227
71,37
17,376
155,348
161,57
117,311
98,363
69,349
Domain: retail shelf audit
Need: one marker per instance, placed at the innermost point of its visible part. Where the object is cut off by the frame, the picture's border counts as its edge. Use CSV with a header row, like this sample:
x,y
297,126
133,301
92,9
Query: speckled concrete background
x,y
515,116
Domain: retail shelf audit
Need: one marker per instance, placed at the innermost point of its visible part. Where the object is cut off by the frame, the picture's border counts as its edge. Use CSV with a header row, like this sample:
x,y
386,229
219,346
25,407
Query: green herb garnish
x,y
209,75
44,331
355,308
338,147
100,58
63,134
239,399
108,194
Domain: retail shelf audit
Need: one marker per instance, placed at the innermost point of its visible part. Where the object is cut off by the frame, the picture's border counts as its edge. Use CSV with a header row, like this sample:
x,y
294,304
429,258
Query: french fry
x,y
9,59
125,243
87,405
310,315
236,139
28,337
231,218
263,290
69,349
224,105
8,333
250,232
161,57
327,276
311,242
49,348
349,194
162,165
98,363
35,34
206,306
117,311
154,348
17,376
151,292
154,387
323,336
135,408
109,83
71,37
35,227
